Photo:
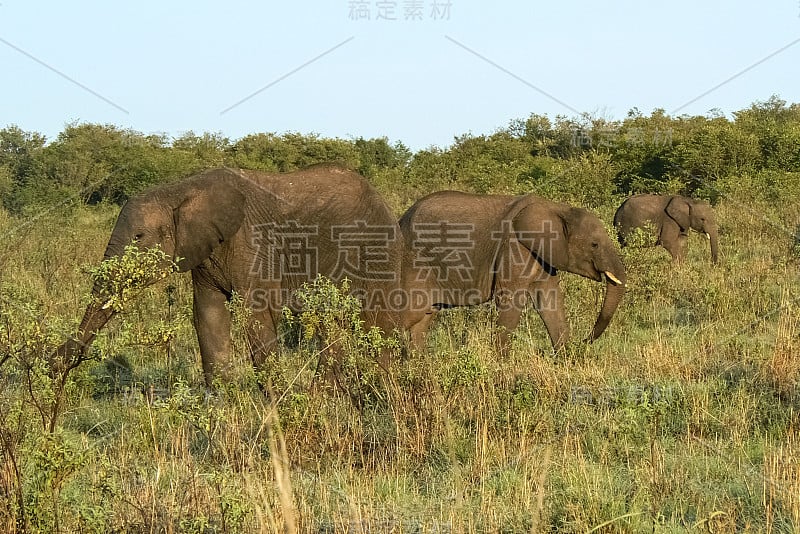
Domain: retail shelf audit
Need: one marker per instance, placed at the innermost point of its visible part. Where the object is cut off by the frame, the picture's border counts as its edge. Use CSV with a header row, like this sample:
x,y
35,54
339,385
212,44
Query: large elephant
x,y
465,249
672,217
262,236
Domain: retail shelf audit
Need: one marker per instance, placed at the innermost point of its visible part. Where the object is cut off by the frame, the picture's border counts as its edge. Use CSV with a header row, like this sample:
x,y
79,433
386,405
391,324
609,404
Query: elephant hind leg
x,y
262,336
261,328
418,332
622,236
329,368
510,305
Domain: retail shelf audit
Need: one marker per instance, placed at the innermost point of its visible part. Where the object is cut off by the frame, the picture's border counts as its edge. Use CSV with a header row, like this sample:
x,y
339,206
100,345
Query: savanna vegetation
x,y
682,417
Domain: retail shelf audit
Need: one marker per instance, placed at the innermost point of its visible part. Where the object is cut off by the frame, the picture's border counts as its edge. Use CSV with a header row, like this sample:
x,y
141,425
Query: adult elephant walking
x,y
262,236
465,249
672,217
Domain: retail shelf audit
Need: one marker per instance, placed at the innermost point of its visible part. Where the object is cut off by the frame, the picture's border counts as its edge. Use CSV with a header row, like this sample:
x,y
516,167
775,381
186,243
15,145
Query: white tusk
x,y
613,278
107,304
708,236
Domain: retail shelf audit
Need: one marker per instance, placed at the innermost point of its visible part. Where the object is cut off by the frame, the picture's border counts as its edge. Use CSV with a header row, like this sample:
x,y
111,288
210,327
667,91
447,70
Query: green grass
x,y
682,417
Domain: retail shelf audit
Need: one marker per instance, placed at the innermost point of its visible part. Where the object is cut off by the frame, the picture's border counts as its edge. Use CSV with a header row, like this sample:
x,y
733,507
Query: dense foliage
x,y
583,159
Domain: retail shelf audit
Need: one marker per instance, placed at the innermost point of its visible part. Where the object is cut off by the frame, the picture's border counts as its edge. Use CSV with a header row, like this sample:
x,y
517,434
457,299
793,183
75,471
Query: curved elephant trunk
x,y
615,289
95,317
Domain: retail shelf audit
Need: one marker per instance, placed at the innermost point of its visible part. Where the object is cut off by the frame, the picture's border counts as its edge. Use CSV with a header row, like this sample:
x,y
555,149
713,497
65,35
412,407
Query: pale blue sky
x,y
177,66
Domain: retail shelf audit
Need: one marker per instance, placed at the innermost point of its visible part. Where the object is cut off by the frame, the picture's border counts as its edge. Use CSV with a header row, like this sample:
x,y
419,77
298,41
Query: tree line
x,y
586,159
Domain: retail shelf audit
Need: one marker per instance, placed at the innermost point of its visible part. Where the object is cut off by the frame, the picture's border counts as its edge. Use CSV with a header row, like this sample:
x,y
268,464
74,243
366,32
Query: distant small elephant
x,y
672,217
262,236
464,249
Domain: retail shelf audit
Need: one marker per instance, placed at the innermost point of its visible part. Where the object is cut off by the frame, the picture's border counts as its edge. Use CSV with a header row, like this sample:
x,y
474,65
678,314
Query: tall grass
x,y
683,416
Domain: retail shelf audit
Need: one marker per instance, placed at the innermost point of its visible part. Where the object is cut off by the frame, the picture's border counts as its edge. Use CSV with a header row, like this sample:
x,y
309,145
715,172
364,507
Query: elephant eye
x,y
137,237
595,245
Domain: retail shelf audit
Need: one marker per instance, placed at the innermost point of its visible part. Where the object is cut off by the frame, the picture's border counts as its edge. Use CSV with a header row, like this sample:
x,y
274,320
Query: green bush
x,y
349,353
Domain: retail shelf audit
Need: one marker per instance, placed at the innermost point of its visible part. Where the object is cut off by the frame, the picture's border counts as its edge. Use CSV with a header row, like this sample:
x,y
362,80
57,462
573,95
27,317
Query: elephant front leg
x,y
212,322
549,303
674,240
547,300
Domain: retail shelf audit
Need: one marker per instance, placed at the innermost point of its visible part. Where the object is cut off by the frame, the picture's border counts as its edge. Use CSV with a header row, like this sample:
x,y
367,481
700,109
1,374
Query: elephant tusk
x,y
708,236
107,304
613,278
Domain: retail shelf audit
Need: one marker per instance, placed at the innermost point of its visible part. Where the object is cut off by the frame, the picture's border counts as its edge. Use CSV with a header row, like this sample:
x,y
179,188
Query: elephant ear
x,y
211,212
543,231
680,211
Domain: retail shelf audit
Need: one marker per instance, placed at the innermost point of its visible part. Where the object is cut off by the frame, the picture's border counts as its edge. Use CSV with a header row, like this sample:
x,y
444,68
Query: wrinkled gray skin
x,y
214,222
508,249
673,217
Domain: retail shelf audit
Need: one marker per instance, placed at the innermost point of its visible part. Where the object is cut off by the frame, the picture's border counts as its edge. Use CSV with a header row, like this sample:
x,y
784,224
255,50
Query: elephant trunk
x,y
615,289
95,317
713,235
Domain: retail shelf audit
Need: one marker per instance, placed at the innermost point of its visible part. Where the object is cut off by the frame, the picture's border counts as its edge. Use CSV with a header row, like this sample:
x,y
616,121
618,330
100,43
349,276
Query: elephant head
x,y
696,215
572,239
187,221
